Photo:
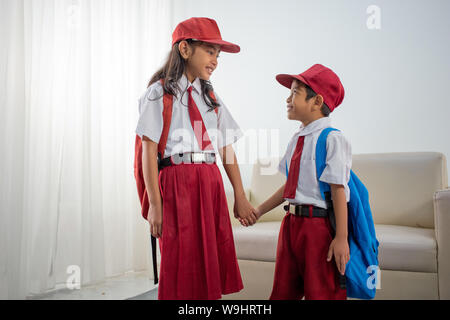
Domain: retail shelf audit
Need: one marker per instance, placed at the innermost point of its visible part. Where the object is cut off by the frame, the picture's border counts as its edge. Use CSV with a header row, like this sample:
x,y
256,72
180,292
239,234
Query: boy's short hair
x,y
311,94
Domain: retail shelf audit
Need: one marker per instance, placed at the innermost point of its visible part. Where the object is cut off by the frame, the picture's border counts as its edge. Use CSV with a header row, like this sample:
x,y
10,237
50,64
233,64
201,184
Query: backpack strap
x,y
167,119
321,159
213,96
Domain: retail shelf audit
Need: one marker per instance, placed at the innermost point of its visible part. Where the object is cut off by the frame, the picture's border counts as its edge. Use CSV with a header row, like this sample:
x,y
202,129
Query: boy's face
x,y
203,61
298,108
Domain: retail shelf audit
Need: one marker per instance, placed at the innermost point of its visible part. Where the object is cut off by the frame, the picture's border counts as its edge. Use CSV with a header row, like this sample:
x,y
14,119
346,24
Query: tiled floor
x,y
134,286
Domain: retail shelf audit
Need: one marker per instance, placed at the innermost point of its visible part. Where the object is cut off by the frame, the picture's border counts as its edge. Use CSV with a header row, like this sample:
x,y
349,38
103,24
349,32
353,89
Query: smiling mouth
x,y
289,108
210,70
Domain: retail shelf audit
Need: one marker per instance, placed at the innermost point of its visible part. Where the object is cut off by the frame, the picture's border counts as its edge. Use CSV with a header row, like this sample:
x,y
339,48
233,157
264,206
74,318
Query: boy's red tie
x,y
294,170
196,120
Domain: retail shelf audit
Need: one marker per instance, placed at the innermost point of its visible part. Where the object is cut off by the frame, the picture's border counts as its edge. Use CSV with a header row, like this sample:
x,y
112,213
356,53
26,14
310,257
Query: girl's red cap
x,y
320,79
202,29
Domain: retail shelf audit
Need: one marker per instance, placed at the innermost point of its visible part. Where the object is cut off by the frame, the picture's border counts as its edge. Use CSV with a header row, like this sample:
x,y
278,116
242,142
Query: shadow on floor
x,y
149,295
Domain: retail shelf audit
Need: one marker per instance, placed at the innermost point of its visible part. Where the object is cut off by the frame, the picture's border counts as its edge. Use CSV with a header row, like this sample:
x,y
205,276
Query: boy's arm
x,y
339,245
340,209
242,207
150,172
274,201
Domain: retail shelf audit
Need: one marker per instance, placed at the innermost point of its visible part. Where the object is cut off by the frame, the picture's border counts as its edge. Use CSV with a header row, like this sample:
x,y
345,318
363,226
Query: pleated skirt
x,y
198,256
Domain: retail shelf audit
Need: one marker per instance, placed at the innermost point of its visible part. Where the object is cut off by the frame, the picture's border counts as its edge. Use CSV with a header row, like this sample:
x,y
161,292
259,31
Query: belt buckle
x,y
291,209
198,157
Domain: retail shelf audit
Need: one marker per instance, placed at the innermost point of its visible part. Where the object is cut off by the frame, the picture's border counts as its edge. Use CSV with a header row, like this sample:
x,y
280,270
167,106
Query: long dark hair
x,y
173,70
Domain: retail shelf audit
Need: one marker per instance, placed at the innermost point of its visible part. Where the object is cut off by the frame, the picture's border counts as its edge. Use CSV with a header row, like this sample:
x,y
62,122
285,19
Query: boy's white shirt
x,y
221,127
338,163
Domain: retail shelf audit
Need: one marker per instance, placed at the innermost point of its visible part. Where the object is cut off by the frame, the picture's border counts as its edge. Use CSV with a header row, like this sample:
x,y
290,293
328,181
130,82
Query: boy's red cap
x,y
322,80
203,29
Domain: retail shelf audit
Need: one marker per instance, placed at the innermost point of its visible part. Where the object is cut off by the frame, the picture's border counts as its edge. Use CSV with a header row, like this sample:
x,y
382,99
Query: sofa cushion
x,y
257,242
401,185
406,248
401,248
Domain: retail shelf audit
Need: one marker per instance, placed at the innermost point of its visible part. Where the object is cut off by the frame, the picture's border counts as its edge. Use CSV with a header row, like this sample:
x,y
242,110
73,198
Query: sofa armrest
x,y
230,203
441,201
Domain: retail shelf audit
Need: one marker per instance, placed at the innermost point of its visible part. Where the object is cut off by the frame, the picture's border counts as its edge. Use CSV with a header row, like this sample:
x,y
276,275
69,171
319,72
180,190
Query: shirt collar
x,y
318,124
184,84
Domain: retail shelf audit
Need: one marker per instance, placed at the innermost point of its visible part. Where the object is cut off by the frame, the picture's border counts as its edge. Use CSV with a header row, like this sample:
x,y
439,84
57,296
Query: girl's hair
x,y
173,70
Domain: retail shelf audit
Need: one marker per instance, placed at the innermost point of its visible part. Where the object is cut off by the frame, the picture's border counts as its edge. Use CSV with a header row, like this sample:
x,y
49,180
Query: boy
x,y
304,266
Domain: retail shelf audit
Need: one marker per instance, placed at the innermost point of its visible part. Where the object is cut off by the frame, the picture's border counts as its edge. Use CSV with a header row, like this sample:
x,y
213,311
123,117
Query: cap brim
x,y
224,45
286,79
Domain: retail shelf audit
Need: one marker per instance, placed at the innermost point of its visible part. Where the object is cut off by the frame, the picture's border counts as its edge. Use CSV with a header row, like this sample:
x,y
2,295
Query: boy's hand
x,y
246,222
243,210
154,217
339,248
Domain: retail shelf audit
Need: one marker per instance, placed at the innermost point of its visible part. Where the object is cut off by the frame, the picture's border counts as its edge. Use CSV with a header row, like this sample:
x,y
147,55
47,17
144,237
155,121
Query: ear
x,y
318,102
185,49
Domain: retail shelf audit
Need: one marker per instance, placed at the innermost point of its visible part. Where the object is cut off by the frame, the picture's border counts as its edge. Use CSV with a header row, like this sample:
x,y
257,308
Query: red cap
x,y
320,79
202,29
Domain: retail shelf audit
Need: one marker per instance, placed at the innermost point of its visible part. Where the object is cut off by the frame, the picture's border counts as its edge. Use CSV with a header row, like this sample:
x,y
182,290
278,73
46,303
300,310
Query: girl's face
x,y
201,60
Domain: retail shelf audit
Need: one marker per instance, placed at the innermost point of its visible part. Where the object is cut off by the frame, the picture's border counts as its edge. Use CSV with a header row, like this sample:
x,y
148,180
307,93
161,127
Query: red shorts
x,y
301,268
198,257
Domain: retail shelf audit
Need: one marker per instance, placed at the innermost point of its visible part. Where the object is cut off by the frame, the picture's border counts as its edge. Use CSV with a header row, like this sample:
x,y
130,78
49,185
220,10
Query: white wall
x,y
396,78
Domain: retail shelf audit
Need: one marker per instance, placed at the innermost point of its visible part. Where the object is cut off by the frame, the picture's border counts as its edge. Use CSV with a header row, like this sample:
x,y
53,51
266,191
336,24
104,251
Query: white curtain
x,y
71,74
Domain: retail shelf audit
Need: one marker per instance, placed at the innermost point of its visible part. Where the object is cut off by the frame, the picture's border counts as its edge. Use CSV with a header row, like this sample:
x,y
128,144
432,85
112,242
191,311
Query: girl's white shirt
x,y
338,163
221,127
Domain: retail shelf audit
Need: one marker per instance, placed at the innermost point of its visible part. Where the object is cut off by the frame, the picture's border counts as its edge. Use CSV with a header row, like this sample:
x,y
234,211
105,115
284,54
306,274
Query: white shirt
x,y
338,163
221,127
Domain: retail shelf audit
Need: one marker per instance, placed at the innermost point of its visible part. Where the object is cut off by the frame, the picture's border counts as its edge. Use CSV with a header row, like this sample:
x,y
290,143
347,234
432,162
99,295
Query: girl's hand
x,y
243,210
154,217
246,222
339,247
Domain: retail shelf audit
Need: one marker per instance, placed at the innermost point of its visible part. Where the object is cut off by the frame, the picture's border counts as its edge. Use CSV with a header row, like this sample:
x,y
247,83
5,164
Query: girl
x,y
187,205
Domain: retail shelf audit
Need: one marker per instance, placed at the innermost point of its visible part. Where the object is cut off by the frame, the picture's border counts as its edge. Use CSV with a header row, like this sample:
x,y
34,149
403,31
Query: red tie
x,y
196,121
294,170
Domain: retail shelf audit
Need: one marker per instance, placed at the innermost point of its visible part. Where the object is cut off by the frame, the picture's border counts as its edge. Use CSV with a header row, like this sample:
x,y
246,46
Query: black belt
x,y
306,211
188,157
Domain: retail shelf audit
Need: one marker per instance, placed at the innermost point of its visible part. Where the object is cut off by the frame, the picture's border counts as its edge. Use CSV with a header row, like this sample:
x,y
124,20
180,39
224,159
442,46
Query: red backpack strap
x,y
138,174
213,96
167,119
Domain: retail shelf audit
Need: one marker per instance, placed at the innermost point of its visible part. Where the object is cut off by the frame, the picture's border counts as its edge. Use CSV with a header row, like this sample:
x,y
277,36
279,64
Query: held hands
x,y
154,217
339,248
244,211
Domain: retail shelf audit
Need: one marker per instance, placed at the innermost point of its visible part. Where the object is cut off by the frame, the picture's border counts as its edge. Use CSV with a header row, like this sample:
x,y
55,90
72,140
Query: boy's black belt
x,y
306,211
188,157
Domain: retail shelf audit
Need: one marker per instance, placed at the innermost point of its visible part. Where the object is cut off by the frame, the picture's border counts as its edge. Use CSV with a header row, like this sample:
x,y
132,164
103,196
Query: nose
x,y
214,61
289,99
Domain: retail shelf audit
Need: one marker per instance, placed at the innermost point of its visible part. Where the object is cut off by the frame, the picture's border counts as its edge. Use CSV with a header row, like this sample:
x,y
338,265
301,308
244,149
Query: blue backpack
x,y
362,240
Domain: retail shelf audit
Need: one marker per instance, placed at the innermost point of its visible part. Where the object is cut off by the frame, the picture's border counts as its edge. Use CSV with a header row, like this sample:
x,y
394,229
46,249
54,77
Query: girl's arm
x,y
339,245
242,208
150,172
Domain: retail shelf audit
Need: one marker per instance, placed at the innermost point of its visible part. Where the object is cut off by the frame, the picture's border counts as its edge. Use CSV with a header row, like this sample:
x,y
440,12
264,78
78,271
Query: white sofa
x,y
410,203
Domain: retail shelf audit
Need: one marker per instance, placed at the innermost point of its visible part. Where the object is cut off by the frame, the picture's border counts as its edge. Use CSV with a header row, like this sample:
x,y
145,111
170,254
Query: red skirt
x,y
198,257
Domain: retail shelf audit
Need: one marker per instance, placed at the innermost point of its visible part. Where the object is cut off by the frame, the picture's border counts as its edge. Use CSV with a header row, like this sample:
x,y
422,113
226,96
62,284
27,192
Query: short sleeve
x,y
150,123
339,161
228,130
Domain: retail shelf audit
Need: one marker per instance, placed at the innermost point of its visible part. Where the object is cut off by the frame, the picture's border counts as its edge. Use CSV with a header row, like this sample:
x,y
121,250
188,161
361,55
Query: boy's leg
x,y
320,277
287,283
